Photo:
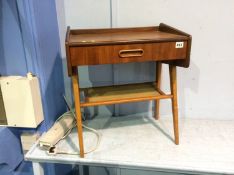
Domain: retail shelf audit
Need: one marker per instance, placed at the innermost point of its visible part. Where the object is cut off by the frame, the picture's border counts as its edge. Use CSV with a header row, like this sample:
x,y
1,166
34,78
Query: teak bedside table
x,y
163,44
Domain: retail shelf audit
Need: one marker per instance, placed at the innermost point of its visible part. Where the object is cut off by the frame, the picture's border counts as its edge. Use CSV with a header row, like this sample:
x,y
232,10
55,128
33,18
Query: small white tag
x,y
179,45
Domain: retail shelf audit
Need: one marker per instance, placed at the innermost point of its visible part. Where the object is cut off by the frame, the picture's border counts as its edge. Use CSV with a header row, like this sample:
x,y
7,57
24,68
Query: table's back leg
x,y
158,85
173,84
76,93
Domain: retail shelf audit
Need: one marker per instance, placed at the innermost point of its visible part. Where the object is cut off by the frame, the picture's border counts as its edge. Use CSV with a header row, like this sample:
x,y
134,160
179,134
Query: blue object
x,y
29,41
10,150
11,48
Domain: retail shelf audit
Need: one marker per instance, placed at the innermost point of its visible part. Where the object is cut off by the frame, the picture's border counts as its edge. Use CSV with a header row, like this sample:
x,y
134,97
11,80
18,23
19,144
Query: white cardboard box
x,y
22,101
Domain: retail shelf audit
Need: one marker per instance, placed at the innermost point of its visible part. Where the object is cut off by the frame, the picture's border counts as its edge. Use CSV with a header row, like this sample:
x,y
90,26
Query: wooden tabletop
x,y
83,46
131,36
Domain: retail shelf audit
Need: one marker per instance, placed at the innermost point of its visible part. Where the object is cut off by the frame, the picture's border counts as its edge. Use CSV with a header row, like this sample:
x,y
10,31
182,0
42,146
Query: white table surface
x,y
138,142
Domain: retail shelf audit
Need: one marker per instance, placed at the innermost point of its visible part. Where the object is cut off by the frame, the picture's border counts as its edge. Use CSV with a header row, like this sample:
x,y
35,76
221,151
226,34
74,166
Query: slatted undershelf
x,y
106,95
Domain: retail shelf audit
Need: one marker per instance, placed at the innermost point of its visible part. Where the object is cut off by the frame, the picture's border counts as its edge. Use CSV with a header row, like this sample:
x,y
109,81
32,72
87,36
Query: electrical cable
x,y
54,150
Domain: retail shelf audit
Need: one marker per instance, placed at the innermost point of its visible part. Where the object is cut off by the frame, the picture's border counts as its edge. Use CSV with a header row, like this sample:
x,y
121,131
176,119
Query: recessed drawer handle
x,y
131,53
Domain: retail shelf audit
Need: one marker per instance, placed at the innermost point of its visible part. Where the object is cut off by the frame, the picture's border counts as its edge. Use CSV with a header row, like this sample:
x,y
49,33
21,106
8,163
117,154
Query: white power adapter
x,y
58,131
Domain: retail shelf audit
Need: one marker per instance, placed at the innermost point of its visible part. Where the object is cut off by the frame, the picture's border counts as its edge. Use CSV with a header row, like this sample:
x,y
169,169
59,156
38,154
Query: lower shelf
x,y
121,94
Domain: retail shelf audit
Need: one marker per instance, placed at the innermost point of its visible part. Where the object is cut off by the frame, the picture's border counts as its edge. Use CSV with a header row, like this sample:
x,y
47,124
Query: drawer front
x,y
113,54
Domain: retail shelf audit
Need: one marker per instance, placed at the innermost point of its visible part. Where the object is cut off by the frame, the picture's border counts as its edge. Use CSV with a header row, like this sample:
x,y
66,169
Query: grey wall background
x,y
205,89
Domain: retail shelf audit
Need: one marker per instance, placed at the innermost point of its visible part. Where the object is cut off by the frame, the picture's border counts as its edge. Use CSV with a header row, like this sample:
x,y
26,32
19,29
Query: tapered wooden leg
x,y
158,85
76,91
173,84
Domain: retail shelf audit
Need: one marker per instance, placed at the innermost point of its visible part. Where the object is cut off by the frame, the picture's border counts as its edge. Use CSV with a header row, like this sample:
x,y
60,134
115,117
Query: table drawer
x,y
113,54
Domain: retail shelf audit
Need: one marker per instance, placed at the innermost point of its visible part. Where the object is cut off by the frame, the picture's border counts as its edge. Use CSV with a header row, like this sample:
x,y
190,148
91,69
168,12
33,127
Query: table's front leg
x,y
173,83
76,93
37,168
